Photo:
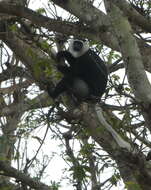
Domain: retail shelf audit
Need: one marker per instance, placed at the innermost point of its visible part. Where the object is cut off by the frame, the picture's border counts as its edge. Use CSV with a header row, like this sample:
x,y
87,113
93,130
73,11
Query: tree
x,y
115,132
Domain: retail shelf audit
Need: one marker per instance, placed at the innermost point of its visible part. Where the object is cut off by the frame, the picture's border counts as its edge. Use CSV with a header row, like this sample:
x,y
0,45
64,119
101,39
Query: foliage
x,y
57,142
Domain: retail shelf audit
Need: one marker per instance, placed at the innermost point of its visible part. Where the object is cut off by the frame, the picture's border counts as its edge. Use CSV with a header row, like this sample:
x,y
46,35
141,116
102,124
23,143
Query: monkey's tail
x,y
121,142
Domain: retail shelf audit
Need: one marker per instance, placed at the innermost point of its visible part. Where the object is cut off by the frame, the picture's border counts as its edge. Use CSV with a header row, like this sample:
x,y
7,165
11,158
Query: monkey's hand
x,y
63,68
65,55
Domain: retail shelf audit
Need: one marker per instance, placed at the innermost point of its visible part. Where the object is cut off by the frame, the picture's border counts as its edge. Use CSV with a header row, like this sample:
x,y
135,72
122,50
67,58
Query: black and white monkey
x,y
85,76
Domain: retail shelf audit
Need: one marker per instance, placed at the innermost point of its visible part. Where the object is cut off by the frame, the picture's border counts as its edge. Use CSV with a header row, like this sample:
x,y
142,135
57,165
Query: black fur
x,y
88,68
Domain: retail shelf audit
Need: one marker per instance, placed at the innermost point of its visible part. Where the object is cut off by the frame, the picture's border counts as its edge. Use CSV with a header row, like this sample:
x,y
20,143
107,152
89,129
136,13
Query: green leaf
x,y
41,10
13,28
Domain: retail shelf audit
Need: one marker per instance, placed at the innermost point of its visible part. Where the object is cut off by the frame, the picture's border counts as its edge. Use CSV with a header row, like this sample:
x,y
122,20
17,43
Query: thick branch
x,y
131,54
33,58
43,21
86,12
133,15
12,172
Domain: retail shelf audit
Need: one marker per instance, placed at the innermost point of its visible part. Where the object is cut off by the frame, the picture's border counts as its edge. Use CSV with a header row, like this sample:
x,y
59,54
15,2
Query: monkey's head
x,y
78,47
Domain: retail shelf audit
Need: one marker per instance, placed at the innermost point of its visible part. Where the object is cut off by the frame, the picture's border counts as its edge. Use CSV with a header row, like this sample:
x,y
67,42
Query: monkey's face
x,y
77,45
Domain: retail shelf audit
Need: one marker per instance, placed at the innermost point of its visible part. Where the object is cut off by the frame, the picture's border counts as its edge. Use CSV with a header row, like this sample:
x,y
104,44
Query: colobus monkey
x,y
85,77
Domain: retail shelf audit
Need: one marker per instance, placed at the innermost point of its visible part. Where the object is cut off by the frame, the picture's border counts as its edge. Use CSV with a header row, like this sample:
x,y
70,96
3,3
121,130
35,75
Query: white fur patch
x,y
83,51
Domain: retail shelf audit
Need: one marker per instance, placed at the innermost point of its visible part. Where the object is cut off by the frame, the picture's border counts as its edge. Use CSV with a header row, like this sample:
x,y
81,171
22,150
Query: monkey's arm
x,y
63,69
66,55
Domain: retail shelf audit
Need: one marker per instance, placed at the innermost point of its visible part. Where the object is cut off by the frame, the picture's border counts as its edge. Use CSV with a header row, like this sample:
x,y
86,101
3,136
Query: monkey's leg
x,y
61,87
80,88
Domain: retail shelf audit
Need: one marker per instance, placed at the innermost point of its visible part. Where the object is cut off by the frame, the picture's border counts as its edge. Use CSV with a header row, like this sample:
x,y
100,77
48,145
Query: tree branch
x,y
19,176
133,15
131,54
40,101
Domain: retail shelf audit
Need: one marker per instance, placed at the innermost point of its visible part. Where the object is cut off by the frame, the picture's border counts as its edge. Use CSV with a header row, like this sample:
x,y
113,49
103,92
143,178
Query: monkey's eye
x,y
77,45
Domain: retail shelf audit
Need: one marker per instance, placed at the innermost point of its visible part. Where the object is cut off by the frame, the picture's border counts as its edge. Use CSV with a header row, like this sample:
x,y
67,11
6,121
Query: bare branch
x,y
12,172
